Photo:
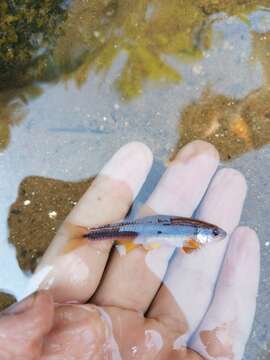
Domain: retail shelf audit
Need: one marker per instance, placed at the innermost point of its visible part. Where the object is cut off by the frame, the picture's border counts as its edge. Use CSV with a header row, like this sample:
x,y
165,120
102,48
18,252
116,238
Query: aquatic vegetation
x,y
62,37
231,7
57,38
13,107
147,31
233,126
61,40
28,33
28,30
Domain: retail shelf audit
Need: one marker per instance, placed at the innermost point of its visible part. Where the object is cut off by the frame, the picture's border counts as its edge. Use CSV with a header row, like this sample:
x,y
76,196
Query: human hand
x,y
204,307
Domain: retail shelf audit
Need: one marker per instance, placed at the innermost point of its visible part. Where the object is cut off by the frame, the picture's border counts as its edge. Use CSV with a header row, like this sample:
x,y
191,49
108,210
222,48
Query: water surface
x,y
112,70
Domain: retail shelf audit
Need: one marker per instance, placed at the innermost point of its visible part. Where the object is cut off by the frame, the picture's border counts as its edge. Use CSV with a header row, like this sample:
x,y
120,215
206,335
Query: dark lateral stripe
x,y
109,234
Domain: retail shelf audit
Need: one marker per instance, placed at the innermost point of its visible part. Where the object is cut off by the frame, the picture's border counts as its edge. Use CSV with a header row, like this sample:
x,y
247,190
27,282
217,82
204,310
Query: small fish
x,y
154,231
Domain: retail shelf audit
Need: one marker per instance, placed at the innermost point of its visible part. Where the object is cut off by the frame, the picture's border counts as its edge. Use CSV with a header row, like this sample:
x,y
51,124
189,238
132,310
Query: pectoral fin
x,y
190,245
128,245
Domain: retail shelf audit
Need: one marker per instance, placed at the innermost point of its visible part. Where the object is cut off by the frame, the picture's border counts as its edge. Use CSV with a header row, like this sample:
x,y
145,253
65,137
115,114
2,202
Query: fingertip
x,y
243,255
131,152
248,240
195,148
141,150
130,165
246,232
224,199
232,177
186,179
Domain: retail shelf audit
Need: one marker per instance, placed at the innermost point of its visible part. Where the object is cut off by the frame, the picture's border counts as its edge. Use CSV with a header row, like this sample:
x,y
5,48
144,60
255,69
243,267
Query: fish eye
x,y
216,232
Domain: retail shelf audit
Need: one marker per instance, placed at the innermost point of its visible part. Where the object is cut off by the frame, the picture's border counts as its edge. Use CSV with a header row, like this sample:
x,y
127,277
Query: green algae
x,y
28,29
91,34
146,31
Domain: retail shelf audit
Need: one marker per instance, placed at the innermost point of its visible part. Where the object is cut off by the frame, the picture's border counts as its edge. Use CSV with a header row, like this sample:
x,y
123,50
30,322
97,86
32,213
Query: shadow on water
x,y
64,40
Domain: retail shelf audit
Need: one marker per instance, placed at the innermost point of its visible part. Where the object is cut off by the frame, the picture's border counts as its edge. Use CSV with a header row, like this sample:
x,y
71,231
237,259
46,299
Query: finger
x,y
227,324
72,270
23,327
197,273
131,281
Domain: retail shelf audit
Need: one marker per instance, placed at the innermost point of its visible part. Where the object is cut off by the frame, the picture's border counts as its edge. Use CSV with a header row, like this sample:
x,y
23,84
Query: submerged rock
x,y
6,300
41,206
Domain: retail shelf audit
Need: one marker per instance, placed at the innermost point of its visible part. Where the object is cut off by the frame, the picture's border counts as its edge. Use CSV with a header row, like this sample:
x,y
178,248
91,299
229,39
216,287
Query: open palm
x,y
156,304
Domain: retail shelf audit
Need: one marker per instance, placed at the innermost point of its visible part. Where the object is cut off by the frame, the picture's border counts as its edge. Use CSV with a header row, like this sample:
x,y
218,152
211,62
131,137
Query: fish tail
x,y
75,237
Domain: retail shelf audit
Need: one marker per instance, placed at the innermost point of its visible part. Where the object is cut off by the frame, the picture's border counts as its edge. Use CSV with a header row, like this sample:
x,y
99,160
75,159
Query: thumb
x,y
23,327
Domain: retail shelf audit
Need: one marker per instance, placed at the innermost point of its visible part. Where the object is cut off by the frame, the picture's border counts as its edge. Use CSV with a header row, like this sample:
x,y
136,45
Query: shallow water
x,y
117,69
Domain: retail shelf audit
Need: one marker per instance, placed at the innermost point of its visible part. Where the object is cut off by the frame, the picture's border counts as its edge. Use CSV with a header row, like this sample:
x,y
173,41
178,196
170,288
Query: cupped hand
x,y
156,304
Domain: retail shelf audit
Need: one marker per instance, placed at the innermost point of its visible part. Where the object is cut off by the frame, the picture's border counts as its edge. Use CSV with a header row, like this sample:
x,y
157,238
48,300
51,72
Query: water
x,y
127,68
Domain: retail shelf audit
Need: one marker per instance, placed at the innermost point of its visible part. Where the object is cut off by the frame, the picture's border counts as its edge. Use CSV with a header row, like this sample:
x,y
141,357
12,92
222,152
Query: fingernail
x,y
21,306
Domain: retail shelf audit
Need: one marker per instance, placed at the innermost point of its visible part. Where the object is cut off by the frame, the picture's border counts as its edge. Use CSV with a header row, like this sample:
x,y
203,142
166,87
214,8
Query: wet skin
x,y
203,309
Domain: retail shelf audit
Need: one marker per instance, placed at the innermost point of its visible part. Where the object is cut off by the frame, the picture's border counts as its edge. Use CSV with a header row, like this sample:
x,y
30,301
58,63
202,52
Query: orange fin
x,y
75,235
190,245
129,245
152,246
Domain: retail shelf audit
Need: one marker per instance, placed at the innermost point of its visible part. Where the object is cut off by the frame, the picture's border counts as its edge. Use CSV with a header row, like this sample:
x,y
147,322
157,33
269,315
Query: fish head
x,y
210,234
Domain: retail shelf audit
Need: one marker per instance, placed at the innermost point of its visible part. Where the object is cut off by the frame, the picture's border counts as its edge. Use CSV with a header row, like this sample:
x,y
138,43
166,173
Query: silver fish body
x,y
161,229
